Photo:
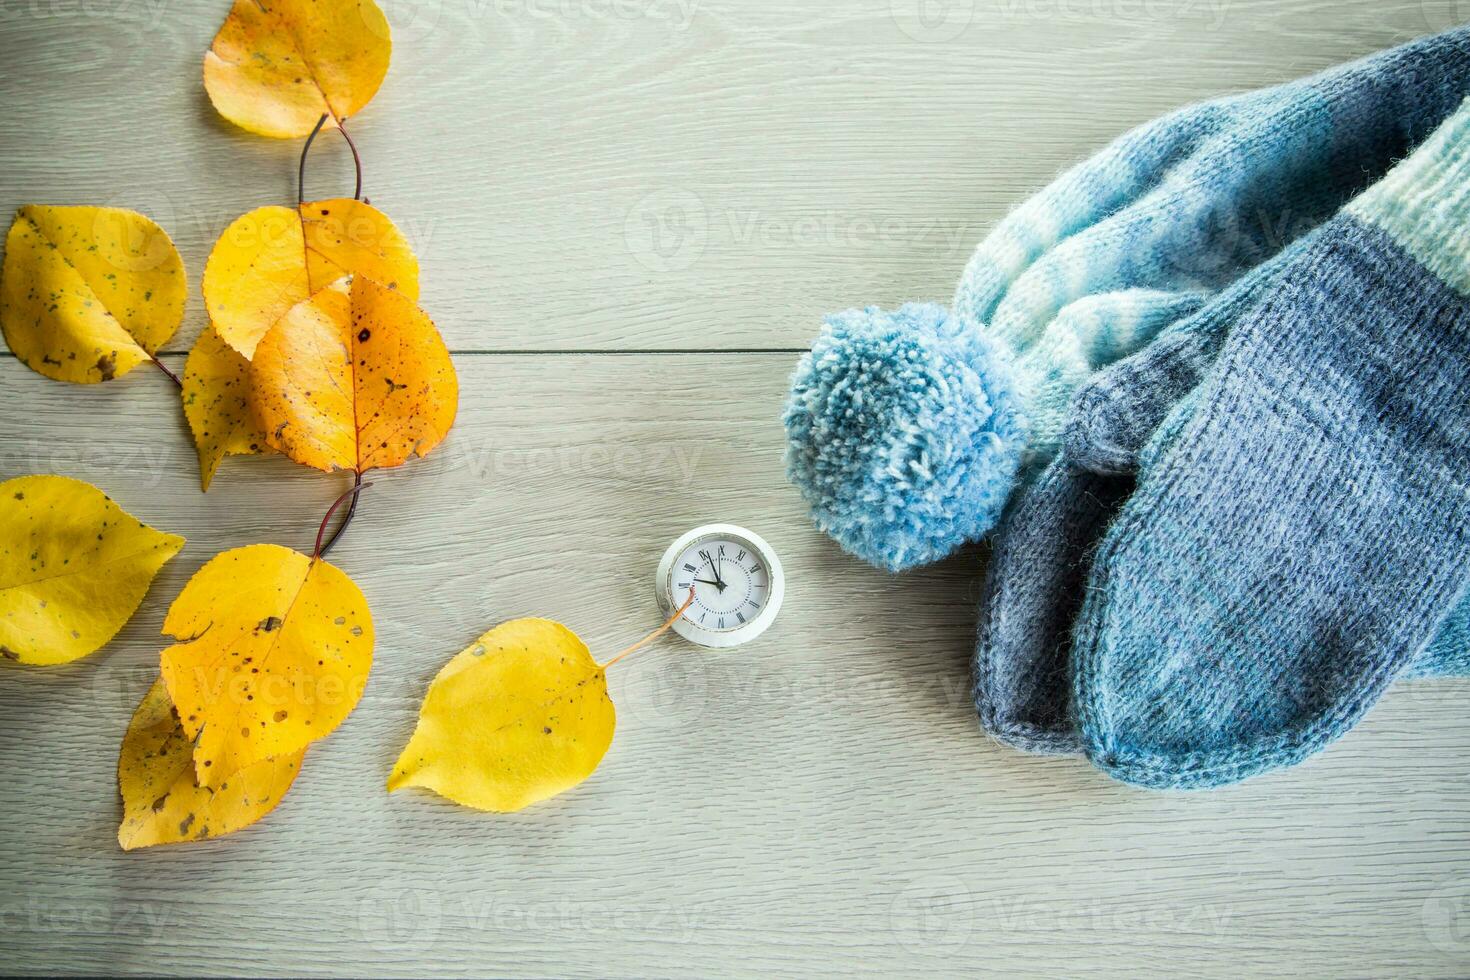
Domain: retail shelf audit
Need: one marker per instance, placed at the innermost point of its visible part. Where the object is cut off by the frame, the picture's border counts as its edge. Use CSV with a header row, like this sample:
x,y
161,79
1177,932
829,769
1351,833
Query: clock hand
x,y
706,581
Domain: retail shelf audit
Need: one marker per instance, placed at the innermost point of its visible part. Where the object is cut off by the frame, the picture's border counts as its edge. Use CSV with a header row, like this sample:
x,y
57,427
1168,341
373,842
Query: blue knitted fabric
x,y
1040,556
1119,409
1042,550
907,431
1302,536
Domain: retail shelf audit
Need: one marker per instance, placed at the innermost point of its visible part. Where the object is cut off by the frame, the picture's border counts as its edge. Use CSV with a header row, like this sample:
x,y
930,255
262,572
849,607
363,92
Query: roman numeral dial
x,y
736,579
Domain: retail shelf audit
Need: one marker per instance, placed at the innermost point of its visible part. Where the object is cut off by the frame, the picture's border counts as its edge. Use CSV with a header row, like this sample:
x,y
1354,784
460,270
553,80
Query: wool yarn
x,y
1042,554
907,431
1301,538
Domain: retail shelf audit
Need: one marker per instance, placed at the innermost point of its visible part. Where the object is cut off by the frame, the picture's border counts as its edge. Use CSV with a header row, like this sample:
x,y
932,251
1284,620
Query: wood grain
x,y
821,802
667,174
676,176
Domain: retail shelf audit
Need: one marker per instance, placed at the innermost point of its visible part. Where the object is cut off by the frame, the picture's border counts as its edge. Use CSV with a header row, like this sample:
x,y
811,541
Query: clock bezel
x,y
693,632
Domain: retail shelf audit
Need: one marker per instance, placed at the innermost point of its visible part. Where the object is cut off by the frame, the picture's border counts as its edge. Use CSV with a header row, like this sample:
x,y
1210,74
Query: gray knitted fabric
x,y
1042,553
1299,543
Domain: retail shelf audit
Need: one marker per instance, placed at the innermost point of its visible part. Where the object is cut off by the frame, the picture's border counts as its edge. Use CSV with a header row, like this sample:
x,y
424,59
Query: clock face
x,y
731,583
736,579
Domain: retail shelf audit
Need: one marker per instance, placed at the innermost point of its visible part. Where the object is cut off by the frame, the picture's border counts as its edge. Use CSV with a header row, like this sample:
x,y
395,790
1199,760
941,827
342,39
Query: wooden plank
x,y
818,803
685,174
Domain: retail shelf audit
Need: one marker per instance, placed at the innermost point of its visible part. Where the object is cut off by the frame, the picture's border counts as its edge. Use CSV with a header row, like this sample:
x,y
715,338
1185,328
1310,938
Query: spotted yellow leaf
x,y
272,258
356,377
163,802
74,566
217,404
272,652
86,293
277,66
519,716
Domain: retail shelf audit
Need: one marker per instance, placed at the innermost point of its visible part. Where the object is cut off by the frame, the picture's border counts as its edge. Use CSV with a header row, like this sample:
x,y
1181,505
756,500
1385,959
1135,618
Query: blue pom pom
x,y
904,433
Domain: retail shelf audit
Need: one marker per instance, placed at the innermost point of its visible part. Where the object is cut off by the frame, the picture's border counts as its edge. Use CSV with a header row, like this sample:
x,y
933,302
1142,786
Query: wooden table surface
x,y
631,215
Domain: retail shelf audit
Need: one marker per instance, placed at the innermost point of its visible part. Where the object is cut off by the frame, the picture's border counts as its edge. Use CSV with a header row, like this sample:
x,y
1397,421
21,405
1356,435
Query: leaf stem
x,y
356,160
306,149
357,488
668,624
164,368
301,168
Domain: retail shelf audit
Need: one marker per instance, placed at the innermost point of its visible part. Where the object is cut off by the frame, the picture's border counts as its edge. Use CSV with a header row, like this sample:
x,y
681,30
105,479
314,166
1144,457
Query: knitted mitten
x,y
1034,582
1041,557
1302,536
907,430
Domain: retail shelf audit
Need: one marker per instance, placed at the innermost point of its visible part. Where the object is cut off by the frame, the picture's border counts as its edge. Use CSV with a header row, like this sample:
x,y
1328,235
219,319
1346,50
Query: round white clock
x,y
737,581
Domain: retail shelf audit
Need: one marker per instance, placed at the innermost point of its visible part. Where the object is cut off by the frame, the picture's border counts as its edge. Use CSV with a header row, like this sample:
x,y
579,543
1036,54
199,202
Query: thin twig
x,y
357,488
306,149
655,634
301,168
164,368
356,160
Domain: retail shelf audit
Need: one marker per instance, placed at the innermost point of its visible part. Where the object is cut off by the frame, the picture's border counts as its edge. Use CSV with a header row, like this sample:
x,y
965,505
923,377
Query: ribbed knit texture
x,y
1448,654
1042,555
1114,414
907,435
1034,584
1302,537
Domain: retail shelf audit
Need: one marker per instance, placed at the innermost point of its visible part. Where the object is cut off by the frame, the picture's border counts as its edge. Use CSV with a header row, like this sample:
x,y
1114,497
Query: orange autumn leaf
x,y
356,378
163,802
273,650
272,258
277,66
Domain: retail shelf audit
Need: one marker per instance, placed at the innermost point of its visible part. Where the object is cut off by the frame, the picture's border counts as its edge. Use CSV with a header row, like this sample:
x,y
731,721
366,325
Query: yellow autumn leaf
x,y
273,650
216,396
87,294
163,802
356,377
519,716
74,566
272,258
278,66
